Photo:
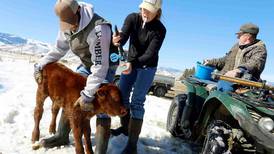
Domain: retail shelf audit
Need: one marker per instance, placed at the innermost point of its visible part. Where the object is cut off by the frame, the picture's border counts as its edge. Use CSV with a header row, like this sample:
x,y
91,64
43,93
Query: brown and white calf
x,y
63,86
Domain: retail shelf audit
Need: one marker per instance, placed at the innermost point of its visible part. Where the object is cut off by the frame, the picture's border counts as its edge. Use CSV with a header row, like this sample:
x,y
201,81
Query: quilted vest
x,y
78,41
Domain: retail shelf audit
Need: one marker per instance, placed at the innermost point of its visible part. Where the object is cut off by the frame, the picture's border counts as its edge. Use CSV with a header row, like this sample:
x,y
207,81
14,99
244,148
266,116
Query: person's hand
x,y
127,67
37,73
206,62
84,105
233,73
116,39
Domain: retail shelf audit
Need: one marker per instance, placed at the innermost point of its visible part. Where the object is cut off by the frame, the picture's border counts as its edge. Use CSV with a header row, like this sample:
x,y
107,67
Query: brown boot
x,y
134,130
124,126
102,135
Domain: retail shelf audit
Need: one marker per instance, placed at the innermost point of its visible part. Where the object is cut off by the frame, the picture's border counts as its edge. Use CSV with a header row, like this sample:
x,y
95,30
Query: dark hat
x,y
249,28
66,10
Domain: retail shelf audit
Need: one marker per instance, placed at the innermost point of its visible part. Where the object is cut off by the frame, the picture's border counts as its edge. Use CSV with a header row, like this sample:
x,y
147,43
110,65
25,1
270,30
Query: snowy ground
x,y
17,100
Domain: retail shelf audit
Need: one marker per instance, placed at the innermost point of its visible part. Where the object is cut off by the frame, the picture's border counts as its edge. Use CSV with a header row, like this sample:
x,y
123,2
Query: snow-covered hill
x,y
169,71
11,39
17,44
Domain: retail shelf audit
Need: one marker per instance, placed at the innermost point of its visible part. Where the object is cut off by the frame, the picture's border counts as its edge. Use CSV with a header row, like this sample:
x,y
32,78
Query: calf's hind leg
x,y
62,135
54,111
38,112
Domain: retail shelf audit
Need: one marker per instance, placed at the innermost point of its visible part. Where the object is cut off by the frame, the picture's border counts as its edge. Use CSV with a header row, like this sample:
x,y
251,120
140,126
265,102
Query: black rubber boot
x,y
62,135
102,135
134,130
123,129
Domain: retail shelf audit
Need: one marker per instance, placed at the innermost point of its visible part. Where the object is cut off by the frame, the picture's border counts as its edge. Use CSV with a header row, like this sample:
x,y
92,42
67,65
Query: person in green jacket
x,y
248,55
246,58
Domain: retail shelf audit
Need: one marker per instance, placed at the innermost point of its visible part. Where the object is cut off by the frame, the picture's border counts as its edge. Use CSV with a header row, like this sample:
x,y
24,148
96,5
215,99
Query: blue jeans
x,y
140,80
84,71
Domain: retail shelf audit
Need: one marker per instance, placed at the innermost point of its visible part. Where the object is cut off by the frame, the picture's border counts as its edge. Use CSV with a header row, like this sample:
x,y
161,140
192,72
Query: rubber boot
x,y
102,135
134,130
62,135
124,126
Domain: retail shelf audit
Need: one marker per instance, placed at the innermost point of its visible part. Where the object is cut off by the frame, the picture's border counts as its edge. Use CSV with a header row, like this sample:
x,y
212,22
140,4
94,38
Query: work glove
x,y
234,73
85,102
205,62
126,67
37,73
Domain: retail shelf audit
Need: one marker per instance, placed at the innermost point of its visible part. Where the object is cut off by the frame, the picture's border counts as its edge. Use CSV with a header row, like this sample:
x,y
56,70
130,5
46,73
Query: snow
x,y
17,97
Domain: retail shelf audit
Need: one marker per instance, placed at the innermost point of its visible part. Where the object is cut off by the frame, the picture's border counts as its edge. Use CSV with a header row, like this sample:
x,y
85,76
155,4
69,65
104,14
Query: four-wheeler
x,y
224,122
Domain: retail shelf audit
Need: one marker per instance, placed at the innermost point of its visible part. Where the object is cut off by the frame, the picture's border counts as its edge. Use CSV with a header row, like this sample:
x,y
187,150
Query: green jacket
x,y
253,59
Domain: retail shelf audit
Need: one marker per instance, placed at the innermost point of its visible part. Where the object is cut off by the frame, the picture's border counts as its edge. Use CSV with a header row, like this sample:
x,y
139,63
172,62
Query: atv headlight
x,y
266,123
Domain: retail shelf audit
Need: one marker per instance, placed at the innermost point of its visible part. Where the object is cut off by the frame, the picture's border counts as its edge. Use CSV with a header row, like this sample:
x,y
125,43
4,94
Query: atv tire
x,y
218,138
174,115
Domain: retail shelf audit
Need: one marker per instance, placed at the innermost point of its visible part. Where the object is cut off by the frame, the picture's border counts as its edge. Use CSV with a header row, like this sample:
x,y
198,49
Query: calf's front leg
x,y
77,134
87,134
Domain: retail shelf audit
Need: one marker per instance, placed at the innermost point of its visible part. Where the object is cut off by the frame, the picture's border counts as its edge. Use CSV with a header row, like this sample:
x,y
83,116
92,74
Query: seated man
x,y
248,55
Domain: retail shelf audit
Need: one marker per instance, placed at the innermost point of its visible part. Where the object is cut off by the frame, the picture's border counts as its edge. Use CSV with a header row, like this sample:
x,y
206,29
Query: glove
x,y
206,62
234,73
85,103
37,73
126,67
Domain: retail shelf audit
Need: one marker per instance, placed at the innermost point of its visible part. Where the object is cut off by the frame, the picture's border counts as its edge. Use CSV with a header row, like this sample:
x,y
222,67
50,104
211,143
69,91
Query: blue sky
x,y
196,30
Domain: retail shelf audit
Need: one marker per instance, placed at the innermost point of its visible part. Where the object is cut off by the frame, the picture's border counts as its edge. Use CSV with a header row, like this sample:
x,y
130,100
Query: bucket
x,y
203,72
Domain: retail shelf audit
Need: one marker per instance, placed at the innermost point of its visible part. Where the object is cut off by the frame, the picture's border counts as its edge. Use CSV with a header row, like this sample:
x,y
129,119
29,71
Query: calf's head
x,y
110,100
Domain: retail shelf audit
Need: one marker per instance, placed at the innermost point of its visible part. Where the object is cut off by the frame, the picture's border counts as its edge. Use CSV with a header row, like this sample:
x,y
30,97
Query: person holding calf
x,y
88,36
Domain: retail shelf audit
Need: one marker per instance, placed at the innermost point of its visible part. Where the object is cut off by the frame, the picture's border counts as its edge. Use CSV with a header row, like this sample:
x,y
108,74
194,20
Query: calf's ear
x,y
102,92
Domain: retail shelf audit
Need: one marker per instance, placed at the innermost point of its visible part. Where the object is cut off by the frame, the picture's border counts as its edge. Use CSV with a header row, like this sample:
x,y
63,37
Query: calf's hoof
x,y
36,145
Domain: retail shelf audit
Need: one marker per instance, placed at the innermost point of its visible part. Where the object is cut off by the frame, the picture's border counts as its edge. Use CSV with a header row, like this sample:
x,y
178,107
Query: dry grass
x,y
179,87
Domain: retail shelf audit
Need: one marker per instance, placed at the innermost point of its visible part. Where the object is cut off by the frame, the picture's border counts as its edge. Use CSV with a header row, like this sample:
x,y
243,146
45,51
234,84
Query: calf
x,y
63,86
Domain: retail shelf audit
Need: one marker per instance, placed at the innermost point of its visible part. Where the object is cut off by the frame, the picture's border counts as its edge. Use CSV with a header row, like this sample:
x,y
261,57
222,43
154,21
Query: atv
x,y
224,122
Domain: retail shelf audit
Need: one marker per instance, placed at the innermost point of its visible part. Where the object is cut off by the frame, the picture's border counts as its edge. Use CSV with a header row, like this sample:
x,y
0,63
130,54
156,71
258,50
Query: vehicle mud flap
x,y
185,120
174,115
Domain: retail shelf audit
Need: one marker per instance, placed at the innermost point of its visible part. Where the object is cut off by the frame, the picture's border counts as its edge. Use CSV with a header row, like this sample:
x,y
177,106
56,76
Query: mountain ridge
x,y
17,44
6,38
